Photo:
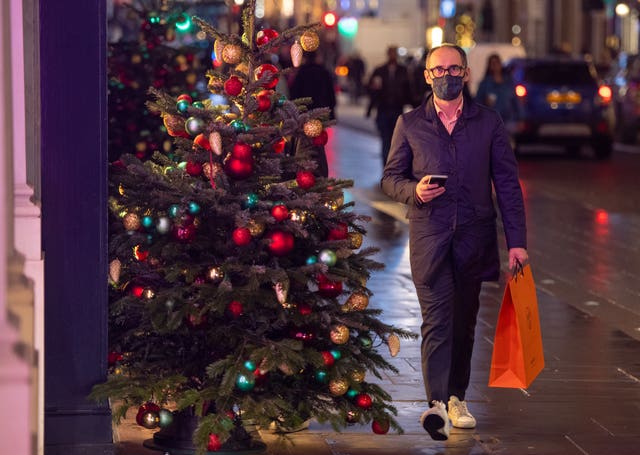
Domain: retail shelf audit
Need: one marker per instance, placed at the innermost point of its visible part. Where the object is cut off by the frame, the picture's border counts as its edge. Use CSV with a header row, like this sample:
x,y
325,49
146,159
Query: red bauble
x,y
280,242
266,35
114,357
304,309
264,103
186,97
185,232
137,291
340,232
322,139
193,168
202,141
305,179
328,288
233,86
280,212
380,426
238,169
235,309
278,147
214,443
263,71
363,401
241,236
242,151
327,358
147,407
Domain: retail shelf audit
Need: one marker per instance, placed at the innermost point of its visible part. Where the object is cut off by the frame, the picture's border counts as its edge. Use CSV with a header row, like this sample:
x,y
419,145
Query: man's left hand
x,y
519,254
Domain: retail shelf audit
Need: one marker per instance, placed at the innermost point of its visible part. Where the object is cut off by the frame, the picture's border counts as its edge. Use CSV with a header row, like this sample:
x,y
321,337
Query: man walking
x,y
452,225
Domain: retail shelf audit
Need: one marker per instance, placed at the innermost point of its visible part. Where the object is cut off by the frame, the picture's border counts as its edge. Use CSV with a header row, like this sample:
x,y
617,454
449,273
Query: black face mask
x,y
447,87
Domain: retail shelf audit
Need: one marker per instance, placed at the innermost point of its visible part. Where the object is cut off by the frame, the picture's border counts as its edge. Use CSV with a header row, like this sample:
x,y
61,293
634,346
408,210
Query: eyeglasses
x,y
453,70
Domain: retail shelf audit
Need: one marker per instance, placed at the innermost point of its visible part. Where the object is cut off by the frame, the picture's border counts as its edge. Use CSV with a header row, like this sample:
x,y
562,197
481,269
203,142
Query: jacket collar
x,y
469,108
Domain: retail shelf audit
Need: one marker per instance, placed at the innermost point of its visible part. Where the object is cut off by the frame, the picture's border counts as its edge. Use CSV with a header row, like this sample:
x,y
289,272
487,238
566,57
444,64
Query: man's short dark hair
x,y
461,51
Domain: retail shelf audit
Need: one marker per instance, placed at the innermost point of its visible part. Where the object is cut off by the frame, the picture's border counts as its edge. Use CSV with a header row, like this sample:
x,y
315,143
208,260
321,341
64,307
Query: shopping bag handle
x,y
517,270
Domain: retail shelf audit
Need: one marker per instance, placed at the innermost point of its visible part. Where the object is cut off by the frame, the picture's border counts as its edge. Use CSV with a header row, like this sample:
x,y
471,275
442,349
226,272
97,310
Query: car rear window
x,y
555,73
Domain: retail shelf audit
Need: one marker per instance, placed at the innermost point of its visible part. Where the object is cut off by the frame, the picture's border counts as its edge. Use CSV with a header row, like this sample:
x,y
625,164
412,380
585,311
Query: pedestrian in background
x,y
497,91
389,92
452,226
315,81
357,69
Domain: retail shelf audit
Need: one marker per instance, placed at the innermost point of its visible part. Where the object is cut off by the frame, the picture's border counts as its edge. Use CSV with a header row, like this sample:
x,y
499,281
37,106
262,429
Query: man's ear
x,y
427,77
467,74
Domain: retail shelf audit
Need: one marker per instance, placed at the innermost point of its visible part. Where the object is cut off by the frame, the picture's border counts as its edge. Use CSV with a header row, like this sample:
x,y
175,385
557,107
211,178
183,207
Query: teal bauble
x,y
182,105
252,200
237,125
282,100
198,104
352,393
147,221
328,257
321,376
194,125
194,208
166,417
312,260
365,342
250,365
336,354
174,210
245,382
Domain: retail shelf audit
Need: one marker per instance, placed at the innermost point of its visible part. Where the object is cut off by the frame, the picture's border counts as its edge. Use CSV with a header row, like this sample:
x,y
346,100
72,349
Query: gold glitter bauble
x,y
310,41
338,387
256,228
232,54
210,171
243,68
297,215
339,334
148,293
312,128
358,375
215,275
333,205
355,238
131,222
356,302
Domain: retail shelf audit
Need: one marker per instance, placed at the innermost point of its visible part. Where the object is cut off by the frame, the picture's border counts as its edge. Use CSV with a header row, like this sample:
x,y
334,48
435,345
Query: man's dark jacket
x,y
462,221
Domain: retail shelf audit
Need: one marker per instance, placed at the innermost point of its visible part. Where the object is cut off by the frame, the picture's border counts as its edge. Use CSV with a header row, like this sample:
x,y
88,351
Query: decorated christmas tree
x,y
238,276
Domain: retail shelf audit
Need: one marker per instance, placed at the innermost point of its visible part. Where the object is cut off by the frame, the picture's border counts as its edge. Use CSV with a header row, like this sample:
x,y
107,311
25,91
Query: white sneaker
x,y
436,422
459,414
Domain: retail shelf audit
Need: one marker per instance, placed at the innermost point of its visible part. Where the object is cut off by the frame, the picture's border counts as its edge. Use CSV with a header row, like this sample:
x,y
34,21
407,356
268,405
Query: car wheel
x,y
603,149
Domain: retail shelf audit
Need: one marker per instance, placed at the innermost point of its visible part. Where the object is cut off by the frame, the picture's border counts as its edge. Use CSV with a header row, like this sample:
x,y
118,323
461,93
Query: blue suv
x,y
561,102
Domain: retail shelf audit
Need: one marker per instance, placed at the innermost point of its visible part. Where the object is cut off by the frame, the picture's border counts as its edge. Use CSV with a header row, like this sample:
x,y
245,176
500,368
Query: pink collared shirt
x,y
449,122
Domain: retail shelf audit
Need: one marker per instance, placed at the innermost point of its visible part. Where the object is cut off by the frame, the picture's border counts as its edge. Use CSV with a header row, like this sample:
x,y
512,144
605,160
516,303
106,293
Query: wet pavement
x,y
585,260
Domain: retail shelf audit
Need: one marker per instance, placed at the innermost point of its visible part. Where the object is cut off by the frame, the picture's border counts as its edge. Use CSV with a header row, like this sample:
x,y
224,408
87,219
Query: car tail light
x,y
521,91
605,94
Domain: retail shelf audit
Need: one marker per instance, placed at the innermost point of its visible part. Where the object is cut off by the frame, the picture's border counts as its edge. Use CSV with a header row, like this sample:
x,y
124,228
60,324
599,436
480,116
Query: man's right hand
x,y
426,191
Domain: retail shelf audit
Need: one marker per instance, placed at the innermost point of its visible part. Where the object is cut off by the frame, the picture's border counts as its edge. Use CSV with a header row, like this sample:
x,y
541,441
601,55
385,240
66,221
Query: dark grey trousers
x,y
449,313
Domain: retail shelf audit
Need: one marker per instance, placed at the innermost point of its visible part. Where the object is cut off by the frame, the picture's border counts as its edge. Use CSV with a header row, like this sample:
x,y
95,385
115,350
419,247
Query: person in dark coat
x,y
389,92
452,228
314,81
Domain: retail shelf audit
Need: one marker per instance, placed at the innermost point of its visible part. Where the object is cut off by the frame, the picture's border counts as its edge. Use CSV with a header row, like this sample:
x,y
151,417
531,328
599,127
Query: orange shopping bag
x,y
517,347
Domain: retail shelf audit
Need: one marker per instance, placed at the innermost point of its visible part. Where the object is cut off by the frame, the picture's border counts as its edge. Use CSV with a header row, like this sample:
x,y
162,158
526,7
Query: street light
x,y
622,9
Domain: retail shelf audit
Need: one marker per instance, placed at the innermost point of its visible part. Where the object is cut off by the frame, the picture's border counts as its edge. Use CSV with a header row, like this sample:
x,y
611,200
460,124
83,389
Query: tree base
x,y
177,438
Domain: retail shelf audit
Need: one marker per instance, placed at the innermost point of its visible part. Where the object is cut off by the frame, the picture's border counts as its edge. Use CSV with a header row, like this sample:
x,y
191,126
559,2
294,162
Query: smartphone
x,y
439,179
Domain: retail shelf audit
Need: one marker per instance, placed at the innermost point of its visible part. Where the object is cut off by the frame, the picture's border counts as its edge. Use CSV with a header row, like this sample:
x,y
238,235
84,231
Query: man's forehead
x,y
447,53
